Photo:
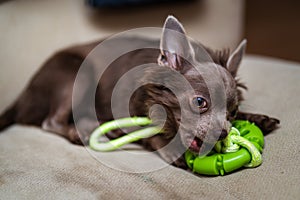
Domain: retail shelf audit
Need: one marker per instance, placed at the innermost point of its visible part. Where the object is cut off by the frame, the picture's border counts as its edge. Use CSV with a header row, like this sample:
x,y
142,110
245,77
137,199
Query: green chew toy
x,y
242,146
129,138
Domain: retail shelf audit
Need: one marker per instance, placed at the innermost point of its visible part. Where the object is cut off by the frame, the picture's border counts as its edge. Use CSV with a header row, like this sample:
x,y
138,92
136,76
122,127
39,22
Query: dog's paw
x,y
78,138
267,124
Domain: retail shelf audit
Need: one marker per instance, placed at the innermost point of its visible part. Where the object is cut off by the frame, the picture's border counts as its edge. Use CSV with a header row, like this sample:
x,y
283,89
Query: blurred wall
x,y
273,28
32,30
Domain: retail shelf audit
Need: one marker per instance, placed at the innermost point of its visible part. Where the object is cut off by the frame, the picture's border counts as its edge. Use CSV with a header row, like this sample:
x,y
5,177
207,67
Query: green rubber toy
x,y
129,138
242,147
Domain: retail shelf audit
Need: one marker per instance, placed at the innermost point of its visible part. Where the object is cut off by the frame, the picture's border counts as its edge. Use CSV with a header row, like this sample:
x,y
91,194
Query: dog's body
x,y
47,101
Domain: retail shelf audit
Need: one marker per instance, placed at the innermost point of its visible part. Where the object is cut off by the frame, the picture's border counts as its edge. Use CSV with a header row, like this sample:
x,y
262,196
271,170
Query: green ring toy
x,y
242,147
244,134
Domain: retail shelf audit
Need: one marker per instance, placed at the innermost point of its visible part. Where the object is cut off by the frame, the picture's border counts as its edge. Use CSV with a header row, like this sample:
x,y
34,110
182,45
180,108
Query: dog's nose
x,y
223,134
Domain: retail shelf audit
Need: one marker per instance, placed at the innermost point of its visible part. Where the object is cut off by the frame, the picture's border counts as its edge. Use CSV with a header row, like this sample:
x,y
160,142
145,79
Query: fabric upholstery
x,y
35,164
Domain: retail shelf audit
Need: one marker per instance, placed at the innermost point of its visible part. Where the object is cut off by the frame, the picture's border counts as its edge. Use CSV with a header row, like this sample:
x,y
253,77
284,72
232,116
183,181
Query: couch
x,y
35,164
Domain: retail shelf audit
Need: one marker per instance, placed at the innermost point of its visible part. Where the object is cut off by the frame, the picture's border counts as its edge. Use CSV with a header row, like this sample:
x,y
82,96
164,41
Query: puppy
x,y
200,113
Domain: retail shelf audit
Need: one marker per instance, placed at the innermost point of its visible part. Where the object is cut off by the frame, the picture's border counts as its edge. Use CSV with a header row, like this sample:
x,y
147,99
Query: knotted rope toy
x,y
242,147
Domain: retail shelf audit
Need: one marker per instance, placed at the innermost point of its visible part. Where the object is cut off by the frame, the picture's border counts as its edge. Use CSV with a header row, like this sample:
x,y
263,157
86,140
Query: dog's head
x,y
202,102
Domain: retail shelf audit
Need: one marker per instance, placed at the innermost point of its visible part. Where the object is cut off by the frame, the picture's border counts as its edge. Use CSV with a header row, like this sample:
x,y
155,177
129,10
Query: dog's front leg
x,y
265,123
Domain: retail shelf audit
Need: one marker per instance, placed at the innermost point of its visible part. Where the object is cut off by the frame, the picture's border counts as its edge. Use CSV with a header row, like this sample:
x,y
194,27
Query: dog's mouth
x,y
196,145
199,147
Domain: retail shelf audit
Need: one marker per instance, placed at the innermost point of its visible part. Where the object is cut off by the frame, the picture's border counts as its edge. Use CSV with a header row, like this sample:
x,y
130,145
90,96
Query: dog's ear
x,y
174,45
235,58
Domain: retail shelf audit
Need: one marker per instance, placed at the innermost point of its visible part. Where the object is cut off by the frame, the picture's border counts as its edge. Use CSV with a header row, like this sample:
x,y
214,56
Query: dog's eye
x,y
200,102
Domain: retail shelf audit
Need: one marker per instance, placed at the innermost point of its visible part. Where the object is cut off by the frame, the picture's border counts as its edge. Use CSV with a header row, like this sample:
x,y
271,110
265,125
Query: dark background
x,y
273,28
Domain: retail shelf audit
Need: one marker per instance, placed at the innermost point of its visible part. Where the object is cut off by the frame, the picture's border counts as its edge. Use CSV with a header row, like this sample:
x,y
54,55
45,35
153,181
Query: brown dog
x,y
47,101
